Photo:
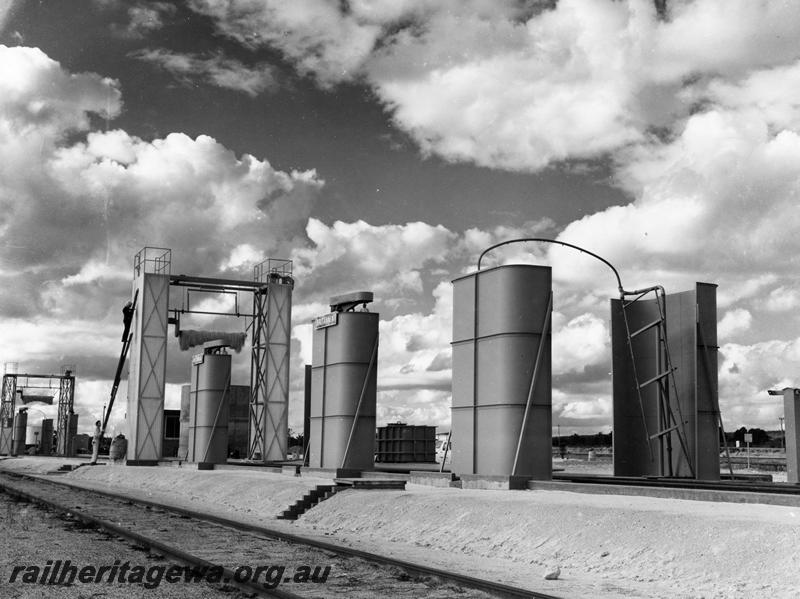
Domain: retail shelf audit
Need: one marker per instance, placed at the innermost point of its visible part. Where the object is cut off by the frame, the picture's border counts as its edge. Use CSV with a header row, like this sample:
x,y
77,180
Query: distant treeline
x,y
761,438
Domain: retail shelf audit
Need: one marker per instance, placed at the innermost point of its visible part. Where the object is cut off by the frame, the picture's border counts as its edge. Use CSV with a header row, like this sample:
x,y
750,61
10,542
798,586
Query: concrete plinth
x,y
503,483
330,472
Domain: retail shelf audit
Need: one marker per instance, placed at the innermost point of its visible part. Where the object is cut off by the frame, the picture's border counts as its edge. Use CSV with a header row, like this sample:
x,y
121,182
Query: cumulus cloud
x,y
516,87
733,322
783,299
386,259
748,371
78,203
216,70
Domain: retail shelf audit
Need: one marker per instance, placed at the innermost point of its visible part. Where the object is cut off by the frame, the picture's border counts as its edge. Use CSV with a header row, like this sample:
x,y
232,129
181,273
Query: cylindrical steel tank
x,y
498,319
46,440
344,373
20,426
208,413
183,435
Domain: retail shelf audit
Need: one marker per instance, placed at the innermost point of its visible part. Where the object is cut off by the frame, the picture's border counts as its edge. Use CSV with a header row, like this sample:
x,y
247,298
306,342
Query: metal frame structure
x,y
14,383
663,381
269,364
271,289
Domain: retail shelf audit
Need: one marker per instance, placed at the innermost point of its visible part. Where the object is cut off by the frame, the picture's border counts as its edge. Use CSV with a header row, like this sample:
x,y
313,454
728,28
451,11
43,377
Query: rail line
x,y
676,483
201,540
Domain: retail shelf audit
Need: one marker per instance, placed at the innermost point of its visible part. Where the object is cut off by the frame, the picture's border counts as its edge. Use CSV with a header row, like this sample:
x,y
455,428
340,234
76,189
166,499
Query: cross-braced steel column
x,y
66,398
269,375
7,413
148,360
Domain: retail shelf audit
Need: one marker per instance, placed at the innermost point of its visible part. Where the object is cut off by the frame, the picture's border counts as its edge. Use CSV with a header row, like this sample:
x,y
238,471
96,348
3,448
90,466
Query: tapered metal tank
x,y
501,329
343,386
20,427
208,412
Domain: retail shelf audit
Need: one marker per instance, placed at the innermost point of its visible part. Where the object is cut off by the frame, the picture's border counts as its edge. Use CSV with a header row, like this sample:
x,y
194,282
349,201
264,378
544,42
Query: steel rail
x,y
168,550
674,483
477,584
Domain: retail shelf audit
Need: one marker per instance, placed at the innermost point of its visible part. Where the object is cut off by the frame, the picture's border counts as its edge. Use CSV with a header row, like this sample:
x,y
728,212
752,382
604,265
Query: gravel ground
x,y
32,536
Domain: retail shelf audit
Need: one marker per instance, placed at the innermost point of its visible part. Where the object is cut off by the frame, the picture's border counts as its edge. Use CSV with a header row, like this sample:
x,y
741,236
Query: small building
x,y
400,442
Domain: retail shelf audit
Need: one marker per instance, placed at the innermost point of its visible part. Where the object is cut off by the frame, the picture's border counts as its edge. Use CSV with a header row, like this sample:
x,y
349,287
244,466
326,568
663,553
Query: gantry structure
x,y
269,325
46,387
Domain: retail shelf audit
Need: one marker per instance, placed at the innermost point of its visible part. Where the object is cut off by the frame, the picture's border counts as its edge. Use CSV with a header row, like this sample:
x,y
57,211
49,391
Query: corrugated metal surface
x,y
498,315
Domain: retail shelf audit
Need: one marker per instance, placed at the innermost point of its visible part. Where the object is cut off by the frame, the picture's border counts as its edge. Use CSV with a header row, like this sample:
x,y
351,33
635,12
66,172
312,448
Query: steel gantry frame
x,y
270,332
269,370
15,382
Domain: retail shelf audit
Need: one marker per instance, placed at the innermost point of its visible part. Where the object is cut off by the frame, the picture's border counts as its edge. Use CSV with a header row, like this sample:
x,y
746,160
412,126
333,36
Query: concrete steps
x,y
309,500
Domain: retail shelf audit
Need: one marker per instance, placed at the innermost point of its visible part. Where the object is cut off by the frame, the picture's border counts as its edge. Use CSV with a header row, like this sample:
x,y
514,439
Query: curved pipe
x,y
565,244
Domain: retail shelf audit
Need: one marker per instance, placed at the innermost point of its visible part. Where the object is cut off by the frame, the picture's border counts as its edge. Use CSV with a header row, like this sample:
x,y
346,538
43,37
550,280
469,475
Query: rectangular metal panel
x,y
707,441
343,385
463,383
46,441
632,450
238,420
463,440
682,340
791,408
505,365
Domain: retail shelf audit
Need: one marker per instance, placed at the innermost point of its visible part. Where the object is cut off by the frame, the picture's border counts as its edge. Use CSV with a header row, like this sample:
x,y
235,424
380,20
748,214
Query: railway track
x,y
254,559
675,483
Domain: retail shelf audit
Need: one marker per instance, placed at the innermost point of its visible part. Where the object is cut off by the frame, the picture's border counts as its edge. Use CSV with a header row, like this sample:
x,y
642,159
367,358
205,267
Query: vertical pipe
x,y
306,410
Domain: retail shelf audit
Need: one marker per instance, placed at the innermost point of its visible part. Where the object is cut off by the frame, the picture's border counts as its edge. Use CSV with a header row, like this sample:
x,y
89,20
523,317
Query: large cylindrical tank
x,y
183,435
46,439
344,372
208,411
20,426
498,319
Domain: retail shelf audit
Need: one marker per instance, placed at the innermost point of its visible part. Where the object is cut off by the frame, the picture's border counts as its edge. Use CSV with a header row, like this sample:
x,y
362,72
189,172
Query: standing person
x,y
96,442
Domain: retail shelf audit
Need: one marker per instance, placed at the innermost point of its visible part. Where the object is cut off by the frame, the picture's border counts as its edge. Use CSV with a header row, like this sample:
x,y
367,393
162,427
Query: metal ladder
x,y
664,379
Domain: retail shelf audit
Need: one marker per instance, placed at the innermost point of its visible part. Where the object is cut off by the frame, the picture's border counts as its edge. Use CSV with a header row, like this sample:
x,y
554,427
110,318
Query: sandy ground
x,y
605,545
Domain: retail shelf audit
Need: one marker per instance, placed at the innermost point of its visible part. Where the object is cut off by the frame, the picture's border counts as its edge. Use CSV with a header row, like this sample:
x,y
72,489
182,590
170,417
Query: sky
x,y
382,146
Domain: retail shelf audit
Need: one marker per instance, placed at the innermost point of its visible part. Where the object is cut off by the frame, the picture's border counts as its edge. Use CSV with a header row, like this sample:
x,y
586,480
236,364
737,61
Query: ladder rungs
x,y
647,327
658,377
664,432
